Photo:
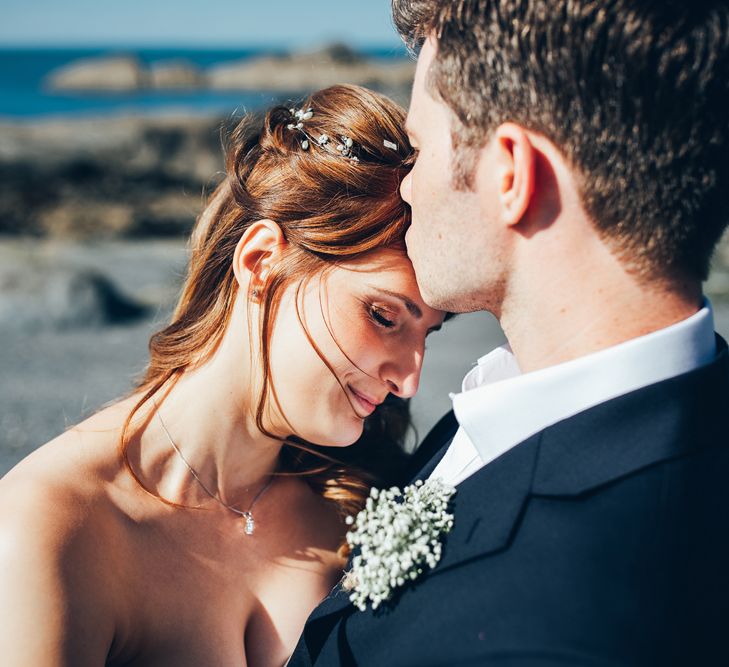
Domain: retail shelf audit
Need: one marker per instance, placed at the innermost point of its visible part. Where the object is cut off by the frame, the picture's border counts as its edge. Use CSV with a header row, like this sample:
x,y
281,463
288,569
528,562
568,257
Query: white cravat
x,y
500,407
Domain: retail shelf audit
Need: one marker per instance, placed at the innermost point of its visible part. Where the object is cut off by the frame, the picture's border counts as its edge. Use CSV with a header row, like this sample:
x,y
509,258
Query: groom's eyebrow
x,y
412,307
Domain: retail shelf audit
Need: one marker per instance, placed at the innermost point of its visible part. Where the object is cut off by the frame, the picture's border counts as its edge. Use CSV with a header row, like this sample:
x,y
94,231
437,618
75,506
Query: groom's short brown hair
x,y
634,92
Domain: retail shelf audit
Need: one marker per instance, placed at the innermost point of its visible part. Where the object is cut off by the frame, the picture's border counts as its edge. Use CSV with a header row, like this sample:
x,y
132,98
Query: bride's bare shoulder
x,y
77,463
61,501
64,484
57,530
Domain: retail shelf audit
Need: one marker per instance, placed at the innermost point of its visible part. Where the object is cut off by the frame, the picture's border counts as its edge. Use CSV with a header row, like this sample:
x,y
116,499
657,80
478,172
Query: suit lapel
x,y
433,448
614,439
430,466
488,505
656,423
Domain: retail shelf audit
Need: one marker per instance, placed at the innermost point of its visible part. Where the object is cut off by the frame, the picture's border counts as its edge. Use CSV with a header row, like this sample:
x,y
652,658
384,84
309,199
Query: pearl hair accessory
x,y
344,146
300,115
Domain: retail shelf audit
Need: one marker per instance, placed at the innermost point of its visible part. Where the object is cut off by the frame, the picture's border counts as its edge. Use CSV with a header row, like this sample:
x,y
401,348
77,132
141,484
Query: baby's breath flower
x,y
395,537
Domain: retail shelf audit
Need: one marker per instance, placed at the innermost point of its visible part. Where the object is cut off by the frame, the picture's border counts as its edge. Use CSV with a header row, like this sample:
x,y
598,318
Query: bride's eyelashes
x,y
381,316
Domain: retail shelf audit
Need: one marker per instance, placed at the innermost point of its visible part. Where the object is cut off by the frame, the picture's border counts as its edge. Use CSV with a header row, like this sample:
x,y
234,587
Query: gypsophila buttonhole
x,y
395,538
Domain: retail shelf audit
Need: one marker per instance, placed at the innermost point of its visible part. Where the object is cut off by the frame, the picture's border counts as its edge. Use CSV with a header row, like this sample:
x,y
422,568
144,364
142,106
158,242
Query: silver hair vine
x,y
344,146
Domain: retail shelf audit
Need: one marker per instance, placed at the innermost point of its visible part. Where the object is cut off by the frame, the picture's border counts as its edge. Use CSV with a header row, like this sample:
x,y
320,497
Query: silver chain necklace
x,y
250,524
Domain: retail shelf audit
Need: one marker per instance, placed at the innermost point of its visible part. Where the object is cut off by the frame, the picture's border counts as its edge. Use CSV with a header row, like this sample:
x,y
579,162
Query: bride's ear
x,y
259,248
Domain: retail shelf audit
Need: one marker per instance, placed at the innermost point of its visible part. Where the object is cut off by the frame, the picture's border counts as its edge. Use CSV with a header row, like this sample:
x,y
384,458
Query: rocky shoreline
x,y
295,72
147,175
107,177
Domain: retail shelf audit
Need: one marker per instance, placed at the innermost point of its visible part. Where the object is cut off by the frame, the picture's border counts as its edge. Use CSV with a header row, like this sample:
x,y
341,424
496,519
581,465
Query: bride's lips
x,y
366,404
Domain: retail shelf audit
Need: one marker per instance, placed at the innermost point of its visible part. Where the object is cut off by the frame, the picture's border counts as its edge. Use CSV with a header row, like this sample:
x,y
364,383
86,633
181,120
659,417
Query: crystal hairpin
x,y
344,148
300,115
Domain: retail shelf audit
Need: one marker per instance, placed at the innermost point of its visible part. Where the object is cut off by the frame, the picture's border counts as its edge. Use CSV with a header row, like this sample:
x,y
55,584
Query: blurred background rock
x,y
109,141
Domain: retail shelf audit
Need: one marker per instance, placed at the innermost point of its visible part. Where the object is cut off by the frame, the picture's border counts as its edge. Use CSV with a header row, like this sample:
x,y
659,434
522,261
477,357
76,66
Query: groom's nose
x,y
406,188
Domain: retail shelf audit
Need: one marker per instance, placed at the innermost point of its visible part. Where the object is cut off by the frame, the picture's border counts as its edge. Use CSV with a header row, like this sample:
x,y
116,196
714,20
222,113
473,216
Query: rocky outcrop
x,y
145,176
171,74
116,73
310,71
123,74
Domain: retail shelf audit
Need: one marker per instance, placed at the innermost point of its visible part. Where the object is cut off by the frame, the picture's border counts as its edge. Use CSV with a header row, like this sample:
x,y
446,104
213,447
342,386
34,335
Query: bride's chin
x,y
343,438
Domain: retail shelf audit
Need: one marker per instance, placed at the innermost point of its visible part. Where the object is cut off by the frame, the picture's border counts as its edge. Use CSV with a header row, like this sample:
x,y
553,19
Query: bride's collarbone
x,y
288,519
201,578
296,539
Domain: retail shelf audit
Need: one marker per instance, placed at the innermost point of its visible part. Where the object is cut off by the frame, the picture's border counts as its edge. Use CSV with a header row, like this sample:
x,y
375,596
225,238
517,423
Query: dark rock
x,y
57,298
341,53
106,178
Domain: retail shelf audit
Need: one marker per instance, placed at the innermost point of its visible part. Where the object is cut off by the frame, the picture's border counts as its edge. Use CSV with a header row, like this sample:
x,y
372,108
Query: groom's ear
x,y
514,164
259,248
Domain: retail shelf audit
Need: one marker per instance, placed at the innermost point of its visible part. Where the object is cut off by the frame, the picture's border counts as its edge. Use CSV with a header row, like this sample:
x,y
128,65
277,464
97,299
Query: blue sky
x,y
224,23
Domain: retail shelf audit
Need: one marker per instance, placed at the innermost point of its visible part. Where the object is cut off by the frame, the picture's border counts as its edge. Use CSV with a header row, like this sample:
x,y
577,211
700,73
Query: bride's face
x,y
369,323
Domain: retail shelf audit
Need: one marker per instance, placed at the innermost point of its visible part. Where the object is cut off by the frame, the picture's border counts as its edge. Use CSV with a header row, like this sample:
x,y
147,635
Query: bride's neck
x,y
209,417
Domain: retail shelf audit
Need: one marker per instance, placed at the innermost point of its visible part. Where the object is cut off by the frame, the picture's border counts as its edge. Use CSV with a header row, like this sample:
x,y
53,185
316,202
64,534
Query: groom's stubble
x,y
454,244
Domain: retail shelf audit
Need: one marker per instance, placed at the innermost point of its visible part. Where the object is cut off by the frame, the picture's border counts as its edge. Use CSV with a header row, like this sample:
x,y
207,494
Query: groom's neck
x,y
569,305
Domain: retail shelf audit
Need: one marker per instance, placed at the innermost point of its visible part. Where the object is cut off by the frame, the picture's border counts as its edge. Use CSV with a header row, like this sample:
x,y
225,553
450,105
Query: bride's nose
x,y
403,377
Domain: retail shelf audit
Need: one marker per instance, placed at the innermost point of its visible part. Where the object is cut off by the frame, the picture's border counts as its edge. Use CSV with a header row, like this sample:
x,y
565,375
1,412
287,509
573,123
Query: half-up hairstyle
x,y
330,209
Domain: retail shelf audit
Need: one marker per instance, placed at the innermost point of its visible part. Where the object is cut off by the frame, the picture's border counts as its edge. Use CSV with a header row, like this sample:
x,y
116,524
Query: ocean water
x,y
23,94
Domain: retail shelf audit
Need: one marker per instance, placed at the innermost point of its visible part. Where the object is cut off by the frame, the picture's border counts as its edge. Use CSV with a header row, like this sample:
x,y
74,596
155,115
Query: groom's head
x,y
632,94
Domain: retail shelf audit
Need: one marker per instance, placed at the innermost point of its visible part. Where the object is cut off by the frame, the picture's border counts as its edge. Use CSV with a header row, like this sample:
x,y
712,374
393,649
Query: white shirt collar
x,y
499,407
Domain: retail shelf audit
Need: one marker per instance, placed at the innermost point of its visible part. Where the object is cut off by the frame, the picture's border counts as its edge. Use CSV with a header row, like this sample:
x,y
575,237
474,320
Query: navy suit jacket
x,y
602,540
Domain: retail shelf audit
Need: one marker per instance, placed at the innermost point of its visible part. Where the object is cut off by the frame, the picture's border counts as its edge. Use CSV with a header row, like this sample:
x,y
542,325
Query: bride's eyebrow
x,y
411,306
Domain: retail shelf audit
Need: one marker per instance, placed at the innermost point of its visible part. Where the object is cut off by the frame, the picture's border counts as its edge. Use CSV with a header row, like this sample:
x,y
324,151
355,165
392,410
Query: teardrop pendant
x,y
250,523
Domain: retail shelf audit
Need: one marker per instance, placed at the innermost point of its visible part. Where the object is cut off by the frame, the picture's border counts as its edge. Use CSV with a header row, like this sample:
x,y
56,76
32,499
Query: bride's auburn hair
x,y
330,209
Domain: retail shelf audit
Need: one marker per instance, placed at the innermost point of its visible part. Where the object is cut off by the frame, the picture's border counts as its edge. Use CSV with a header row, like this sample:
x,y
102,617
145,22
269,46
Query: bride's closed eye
x,y
381,316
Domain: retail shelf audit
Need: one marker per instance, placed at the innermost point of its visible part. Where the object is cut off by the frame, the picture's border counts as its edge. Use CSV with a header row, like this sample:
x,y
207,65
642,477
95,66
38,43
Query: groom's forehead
x,y
421,88
425,60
